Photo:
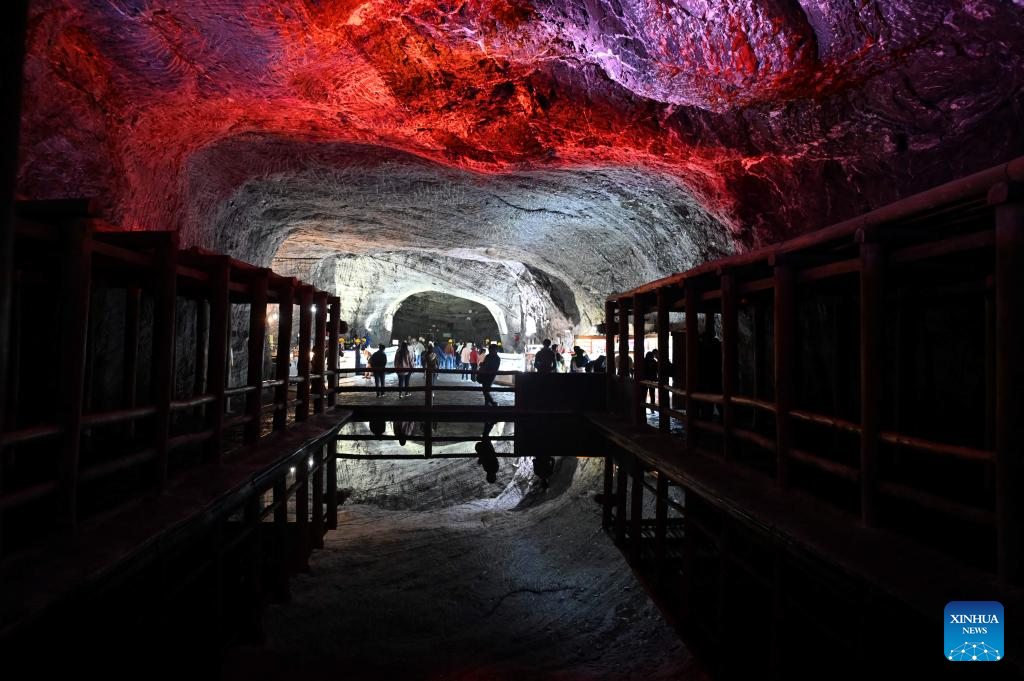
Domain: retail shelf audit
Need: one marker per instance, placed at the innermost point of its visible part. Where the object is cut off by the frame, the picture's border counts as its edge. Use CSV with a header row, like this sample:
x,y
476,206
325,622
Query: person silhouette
x,y
403,429
487,458
543,467
378,426
488,372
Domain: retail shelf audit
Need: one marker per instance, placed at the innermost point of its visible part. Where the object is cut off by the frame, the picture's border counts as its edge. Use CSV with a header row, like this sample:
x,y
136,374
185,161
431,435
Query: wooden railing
x,y
96,428
976,223
429,386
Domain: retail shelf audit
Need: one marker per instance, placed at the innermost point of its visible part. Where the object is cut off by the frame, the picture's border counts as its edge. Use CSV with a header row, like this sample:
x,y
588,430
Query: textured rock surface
x,y
667,131
493,589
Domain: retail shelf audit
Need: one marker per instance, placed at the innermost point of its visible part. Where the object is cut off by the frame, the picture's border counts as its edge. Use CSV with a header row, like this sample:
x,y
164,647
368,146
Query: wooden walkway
x,y
37,578
922,578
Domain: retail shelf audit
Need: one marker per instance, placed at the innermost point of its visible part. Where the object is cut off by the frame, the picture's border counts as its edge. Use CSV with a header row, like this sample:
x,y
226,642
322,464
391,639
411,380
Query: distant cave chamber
x,y
436,316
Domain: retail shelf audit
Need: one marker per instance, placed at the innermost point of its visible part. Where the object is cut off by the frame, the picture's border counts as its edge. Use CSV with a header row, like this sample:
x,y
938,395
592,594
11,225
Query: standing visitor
x,y
403,362
466,357
488,372
544,361
449,355
430,362
417,352
474,360
378,362
651,372
580,361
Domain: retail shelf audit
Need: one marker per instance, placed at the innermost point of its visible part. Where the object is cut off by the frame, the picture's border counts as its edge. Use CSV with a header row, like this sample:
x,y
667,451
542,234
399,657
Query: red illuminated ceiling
x,y
777,115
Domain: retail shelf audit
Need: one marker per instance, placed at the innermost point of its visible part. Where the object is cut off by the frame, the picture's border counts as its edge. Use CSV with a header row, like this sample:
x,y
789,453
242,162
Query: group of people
x,y
549,360
477,364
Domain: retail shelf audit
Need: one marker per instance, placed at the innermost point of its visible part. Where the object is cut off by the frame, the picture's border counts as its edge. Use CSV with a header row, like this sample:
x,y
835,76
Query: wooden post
x,y
758,348
692,337
202,330
76,293
1009,369
639,390
661,524
285,306
165,303
607,499
319,336
334,330
678,368
623,363
609,351
257,339
636,511
428,439
130,364
283,554
730,362
302,512
305,333
872,315
12,48
254,568
217,379
332,484
428,391
317,527
621,484
689,558
785,331
664,419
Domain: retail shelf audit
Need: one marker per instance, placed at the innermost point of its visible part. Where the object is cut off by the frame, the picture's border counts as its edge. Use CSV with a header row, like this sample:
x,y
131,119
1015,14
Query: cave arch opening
x,y
438,316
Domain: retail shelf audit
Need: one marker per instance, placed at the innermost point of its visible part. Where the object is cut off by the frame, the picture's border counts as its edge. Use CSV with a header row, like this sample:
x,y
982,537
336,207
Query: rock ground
x,y
433,574
474,591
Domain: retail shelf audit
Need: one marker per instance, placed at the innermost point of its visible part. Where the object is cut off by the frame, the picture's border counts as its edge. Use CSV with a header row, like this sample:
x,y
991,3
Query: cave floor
x,y
471,591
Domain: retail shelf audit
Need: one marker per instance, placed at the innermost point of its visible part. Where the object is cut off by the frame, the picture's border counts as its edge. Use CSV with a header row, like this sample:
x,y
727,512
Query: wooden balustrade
x,y
978,222
147,432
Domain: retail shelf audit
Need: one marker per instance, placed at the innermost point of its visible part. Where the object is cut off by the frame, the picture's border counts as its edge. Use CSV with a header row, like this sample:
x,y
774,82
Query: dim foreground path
x,y
474,591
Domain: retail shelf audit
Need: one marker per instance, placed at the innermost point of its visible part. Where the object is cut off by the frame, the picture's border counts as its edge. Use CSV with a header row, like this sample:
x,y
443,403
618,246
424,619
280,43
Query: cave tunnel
x,y
786,237
444,317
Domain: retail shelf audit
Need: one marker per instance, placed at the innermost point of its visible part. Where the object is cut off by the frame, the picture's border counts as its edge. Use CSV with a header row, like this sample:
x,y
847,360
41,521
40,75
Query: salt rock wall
x,y
600,142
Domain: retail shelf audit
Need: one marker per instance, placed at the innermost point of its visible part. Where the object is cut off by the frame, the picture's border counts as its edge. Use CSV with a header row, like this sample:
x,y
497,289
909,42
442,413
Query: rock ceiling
x,y
596,142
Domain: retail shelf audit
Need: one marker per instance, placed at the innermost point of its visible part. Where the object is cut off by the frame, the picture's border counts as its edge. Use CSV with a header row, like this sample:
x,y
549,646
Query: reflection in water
x,y
403,429
488,458
378,426
543,467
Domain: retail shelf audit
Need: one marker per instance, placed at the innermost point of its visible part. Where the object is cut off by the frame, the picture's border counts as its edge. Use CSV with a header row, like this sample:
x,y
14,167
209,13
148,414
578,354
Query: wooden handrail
x,y
932,447
15,437
822,420
753,402
120,416
839,469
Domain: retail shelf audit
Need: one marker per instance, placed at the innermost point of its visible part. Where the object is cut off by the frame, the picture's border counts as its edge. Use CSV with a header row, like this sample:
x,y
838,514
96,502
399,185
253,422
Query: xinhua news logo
x,y
973,631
